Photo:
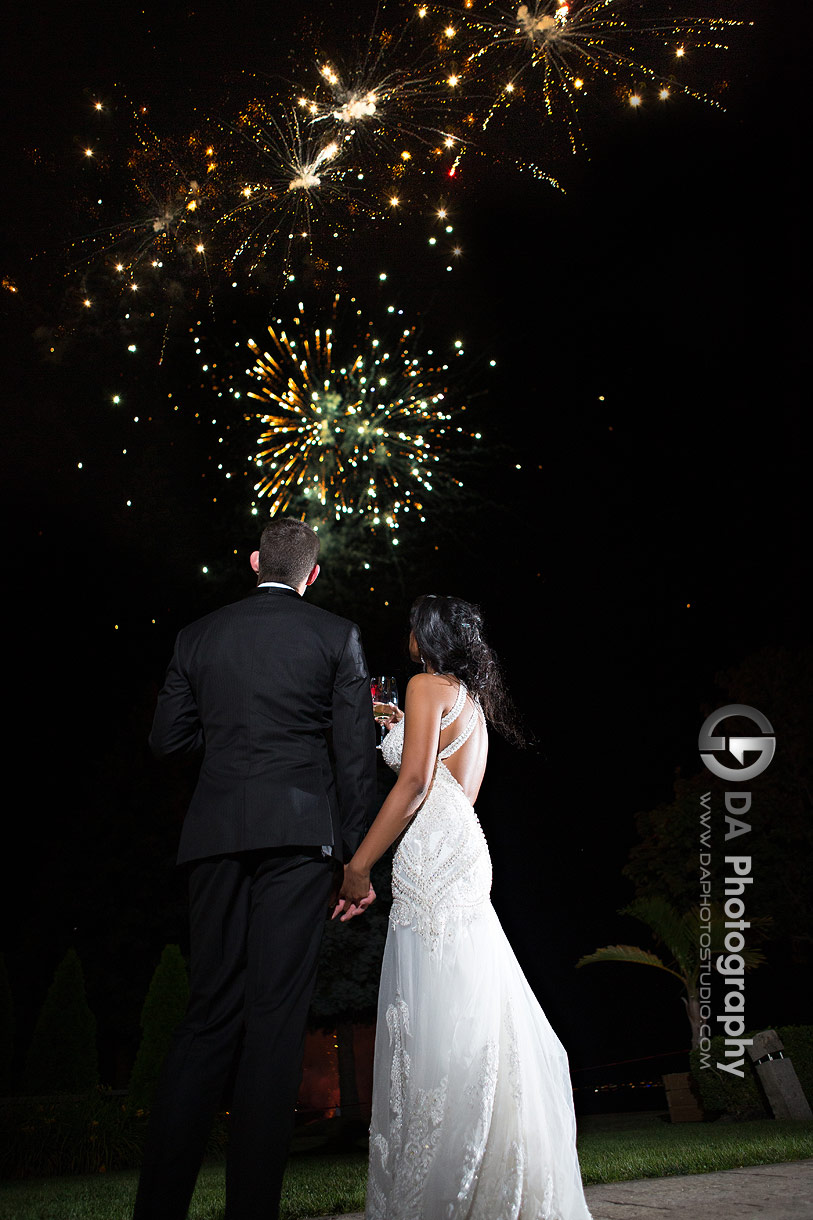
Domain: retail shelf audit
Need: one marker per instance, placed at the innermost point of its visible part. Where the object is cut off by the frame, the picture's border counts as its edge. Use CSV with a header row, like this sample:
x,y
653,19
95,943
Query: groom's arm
x,y
176,726
354,743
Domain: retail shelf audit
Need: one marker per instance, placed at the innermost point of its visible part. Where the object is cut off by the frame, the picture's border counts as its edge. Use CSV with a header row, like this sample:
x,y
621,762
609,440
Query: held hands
x,y
355,895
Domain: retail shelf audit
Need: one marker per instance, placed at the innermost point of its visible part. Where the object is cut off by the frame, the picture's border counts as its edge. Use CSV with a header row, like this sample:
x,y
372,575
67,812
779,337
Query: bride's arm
x,y
423,711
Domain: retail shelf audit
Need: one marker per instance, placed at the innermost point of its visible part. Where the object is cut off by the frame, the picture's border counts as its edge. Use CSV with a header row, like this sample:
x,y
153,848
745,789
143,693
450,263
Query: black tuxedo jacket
x,y
263,685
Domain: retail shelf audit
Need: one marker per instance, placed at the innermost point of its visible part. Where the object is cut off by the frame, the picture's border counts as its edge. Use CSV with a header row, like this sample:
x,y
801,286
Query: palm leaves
x,y
680,936
626,953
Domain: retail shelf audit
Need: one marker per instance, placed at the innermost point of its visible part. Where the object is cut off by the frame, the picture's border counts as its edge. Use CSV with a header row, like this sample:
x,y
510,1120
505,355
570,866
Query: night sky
x,y
638,518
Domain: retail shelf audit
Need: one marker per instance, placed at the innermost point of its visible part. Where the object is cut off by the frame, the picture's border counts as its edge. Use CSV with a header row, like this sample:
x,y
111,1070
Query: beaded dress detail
x,y
472,1113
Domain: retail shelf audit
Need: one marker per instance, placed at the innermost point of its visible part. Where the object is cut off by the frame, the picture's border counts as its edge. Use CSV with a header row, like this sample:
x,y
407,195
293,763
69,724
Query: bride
x,y
472,1114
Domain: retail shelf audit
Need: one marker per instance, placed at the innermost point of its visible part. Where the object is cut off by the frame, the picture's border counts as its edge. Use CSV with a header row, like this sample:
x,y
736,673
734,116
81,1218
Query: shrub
x,y
86,1133
62,1057
163,1009
721,1092
742,1097
90,1133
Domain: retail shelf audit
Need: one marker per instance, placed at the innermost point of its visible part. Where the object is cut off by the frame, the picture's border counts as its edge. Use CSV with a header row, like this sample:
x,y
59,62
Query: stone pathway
x,y
755,1192
766,1192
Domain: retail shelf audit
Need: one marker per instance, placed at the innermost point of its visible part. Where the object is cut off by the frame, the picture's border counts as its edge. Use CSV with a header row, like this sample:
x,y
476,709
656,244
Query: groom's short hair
x,y
289,550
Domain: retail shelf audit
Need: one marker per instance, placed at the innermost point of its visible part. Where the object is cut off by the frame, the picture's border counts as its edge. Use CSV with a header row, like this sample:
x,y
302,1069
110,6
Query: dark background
x,y
648,327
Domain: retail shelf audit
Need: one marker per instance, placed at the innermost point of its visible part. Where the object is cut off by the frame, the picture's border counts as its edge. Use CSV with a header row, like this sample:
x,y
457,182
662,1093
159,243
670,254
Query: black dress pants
x,y
256,923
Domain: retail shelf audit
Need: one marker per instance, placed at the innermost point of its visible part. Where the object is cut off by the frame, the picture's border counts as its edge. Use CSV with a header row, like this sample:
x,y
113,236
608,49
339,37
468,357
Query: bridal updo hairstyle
x,y
449,635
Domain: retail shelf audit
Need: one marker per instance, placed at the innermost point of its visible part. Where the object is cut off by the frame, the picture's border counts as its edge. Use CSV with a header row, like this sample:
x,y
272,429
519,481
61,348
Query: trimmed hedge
x,y
738,1097
62,1057
163,1010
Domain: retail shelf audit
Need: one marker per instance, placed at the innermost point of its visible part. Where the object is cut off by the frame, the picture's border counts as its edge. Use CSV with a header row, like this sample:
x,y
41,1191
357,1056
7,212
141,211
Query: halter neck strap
x,y
451,716
456,708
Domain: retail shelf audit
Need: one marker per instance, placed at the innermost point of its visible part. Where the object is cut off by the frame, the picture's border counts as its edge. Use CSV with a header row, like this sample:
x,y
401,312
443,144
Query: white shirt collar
x,y
276,584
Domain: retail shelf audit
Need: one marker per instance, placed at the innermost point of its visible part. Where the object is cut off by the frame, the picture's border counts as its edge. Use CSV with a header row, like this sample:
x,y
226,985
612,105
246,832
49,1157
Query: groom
x,y
261,686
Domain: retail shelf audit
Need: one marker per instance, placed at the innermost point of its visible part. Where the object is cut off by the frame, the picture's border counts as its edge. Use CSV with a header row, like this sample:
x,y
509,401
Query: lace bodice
x,y
441,871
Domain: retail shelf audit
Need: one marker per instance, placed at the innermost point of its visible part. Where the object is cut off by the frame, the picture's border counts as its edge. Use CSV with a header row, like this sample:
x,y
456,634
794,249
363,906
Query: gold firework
x,y
350,428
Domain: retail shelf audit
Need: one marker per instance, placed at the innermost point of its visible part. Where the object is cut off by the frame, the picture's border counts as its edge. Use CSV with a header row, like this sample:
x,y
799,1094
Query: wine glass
x,y
383,690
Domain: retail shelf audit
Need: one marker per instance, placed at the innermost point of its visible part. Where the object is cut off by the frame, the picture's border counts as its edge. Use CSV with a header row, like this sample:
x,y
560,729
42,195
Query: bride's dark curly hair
x,y
449,636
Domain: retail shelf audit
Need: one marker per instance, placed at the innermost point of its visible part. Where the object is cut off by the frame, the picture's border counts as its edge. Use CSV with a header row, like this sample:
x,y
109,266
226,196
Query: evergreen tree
x,y
163,1009
62,1057
6,1029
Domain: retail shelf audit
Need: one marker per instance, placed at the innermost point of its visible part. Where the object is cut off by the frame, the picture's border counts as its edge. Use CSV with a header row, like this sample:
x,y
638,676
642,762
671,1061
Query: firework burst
x,y
303,174
350,428
570,49
389,115
160,242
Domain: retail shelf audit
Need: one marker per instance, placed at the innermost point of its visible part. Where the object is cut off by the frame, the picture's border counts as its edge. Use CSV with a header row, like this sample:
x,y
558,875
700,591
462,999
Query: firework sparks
x,y
356,429
393,96
570,47
302,175
388,115
173,183
387,118
367,144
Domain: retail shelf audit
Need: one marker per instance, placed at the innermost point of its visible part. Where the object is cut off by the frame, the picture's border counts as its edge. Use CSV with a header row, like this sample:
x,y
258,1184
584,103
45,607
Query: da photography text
x,y
728,1014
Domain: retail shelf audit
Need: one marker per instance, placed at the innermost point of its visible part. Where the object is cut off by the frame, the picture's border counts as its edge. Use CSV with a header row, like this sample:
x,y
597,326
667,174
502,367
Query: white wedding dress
x,y
472,1113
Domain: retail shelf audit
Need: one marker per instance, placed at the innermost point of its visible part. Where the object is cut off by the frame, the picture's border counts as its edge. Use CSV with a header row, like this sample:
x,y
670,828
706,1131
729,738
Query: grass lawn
x,y
314,1185
618,1148
612,1148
